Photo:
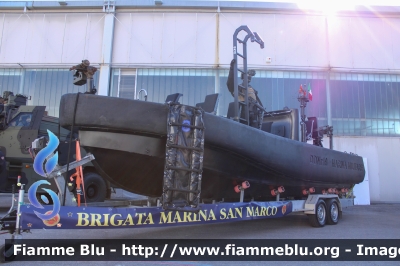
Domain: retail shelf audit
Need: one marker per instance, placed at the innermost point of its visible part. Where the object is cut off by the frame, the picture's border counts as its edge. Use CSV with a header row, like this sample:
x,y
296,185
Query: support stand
x,y
90,88
277,192
308,191
240,189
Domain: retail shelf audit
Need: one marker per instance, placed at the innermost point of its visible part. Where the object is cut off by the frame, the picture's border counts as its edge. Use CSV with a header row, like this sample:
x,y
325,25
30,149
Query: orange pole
x,y
79,172
78,148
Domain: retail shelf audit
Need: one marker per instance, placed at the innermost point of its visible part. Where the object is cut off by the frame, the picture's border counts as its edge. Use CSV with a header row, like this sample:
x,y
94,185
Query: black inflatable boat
x,y
130,140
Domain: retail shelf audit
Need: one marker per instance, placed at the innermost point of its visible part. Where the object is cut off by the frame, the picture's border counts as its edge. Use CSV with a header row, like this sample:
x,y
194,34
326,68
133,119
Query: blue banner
x,y
137,217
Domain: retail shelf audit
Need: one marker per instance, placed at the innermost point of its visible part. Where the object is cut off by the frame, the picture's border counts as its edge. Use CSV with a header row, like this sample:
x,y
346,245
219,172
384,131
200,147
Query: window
x,y
123,83
21,120
42,86
365,104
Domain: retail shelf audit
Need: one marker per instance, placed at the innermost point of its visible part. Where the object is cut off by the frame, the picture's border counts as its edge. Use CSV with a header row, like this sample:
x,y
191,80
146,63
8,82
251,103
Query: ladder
x,y
184,158
254,37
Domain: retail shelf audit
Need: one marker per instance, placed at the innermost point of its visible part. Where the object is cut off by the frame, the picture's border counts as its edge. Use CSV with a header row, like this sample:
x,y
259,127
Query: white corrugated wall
x,y
190,40
383,164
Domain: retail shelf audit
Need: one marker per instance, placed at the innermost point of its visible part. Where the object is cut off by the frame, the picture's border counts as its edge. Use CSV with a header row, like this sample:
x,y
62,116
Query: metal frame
x,y
254,37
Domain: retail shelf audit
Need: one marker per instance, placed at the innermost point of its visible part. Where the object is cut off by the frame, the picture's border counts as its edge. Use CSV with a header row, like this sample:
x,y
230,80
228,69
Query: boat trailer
x,y
180,204
321,209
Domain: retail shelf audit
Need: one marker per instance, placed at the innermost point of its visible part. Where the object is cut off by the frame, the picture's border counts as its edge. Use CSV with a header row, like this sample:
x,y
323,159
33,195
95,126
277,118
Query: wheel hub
x,y
91,191
334,212
321,213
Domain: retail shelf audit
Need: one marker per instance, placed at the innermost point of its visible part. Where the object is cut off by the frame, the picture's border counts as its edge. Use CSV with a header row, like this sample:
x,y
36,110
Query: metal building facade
x,y
350,61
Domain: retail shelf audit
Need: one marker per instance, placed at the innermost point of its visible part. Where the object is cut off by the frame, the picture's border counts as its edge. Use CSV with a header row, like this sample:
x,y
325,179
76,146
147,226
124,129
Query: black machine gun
x,y
316,133
84,75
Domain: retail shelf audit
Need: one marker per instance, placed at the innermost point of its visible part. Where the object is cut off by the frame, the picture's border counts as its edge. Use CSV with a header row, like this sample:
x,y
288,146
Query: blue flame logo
x,y
32,198
47,154
186,129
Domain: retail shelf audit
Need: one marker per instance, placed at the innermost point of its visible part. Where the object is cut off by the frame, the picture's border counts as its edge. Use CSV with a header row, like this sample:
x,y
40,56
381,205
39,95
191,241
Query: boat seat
x,y
210,103
231,110
267,127
173,97
278,129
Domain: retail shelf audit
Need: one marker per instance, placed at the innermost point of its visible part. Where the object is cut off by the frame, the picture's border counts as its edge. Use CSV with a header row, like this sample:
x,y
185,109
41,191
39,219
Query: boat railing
x,y
138,95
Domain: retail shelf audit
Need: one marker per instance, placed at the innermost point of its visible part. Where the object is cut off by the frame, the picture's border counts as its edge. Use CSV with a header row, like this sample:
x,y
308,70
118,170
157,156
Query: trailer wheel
x,y
95,187
319,218
3,257
333,212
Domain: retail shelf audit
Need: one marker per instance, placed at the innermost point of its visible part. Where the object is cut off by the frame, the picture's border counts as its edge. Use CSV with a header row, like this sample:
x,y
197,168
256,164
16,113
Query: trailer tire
x,y
333,212
95,187
3,257
319,218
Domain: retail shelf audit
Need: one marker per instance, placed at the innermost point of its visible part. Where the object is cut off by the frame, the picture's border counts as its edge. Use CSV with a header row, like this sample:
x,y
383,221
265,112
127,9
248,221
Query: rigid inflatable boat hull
x,y
233,152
